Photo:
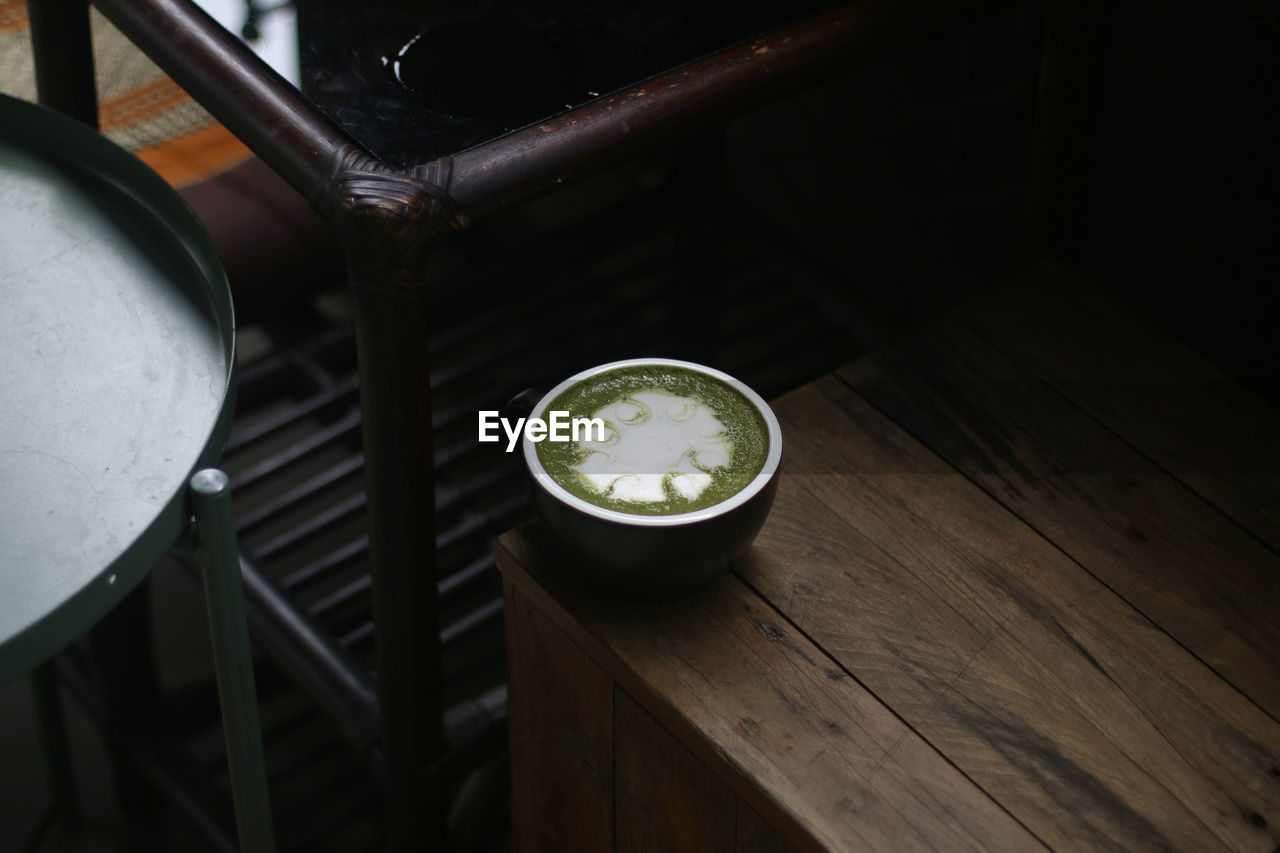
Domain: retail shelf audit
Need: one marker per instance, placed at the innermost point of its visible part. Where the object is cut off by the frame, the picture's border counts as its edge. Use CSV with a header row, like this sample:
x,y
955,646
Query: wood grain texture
x,y
1161,547
664,797
788,730
1089,724
561,736
1193,420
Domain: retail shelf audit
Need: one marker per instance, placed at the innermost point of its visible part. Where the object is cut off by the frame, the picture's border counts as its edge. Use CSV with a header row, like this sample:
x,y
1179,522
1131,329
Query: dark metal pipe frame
x,y
255,103
310,151
575,144
391,338
63,57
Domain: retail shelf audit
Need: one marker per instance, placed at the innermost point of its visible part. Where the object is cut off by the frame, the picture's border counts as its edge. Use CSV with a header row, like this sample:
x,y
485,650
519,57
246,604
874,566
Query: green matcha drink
x,y
674,440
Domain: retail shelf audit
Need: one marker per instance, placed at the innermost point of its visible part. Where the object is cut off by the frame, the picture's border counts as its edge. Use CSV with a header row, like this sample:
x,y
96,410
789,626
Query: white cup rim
x,y
772,459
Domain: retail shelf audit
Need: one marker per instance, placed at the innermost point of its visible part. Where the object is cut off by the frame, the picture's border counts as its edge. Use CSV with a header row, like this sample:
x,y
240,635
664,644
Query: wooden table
x,y
1020,589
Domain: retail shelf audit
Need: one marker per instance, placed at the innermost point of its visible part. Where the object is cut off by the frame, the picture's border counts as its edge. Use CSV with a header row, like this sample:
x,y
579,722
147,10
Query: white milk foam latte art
x,y
655,440
675,440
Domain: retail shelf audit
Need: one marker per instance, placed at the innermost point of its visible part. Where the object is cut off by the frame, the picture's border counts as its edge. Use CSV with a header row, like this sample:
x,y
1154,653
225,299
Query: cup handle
x,y
521,405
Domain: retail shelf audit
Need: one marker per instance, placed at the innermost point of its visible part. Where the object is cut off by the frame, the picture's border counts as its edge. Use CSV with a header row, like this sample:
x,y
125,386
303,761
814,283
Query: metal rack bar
x,y
296,495
328,673
307,406
344,509
321,437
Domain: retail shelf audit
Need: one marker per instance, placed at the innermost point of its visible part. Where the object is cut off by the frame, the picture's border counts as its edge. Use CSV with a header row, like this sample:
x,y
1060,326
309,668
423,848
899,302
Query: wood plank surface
x,y
1084,720
664,797
1157,544
561,736
1193,420
789,731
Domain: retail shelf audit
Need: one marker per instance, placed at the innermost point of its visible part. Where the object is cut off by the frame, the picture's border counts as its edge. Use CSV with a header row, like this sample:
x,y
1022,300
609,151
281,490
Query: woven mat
x,y
140,108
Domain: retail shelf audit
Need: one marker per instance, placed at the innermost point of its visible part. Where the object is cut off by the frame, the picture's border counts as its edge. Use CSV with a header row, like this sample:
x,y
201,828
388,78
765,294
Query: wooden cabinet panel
x,y
664,797
561,735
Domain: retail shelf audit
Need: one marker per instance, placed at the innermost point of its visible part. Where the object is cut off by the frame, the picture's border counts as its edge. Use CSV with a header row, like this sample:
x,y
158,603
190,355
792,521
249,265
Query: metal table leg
x,y
64,802
233,661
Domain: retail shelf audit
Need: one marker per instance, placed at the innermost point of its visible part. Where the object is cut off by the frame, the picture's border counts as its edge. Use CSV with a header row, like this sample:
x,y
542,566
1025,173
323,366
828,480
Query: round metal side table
x,y
116,350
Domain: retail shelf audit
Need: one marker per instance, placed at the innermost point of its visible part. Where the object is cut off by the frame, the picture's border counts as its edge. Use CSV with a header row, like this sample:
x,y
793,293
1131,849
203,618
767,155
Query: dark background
x,y
910,175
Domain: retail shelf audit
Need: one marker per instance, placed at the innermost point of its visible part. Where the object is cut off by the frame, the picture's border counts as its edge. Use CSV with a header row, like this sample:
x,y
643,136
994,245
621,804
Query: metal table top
x,y
116,346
